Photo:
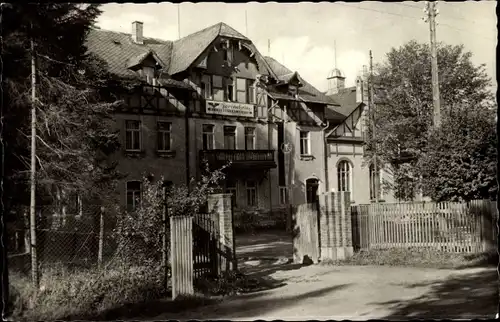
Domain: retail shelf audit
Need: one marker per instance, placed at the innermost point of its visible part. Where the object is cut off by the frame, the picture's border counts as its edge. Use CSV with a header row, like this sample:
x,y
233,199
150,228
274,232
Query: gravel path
x,y
360,293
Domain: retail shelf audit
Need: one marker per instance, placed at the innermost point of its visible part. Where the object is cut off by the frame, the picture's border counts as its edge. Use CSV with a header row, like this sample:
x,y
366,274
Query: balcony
x,y
242,159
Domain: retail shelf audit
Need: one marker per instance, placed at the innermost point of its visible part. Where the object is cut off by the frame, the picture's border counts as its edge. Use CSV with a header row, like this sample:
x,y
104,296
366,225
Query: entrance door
x,y
312,191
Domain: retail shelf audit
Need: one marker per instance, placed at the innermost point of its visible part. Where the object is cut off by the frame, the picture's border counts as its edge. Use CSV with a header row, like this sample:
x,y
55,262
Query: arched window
x,y
344,176
374,182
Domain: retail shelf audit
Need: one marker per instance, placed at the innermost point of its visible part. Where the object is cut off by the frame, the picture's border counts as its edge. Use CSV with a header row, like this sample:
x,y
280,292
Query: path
x,y
360,293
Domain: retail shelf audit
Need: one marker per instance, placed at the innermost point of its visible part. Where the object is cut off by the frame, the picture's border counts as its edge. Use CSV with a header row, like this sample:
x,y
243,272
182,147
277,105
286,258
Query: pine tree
x,y
74,136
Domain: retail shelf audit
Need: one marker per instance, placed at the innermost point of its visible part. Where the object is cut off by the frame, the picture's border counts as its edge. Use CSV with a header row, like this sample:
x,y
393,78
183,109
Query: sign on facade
x,y
230,109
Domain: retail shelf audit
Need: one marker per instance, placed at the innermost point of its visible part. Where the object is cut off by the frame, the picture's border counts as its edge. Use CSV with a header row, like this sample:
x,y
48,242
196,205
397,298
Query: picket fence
x,y
447,226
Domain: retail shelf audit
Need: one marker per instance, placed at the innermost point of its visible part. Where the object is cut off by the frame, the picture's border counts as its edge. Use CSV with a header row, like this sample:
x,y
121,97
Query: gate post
x,y
220,208
335,226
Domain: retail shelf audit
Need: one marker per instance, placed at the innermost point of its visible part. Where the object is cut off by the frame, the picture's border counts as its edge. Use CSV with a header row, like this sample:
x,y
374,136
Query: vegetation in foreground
x,y
115,293
425,258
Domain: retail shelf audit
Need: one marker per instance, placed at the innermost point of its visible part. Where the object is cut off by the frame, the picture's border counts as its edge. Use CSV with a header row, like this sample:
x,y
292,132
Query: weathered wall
x,y
171,168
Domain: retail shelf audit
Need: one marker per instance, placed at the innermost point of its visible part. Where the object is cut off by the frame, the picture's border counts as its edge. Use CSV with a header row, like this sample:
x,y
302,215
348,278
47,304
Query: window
x,y
344,176
231,188
251,193
133,135
250,91
283,196
206,86
230,137
241,90
249,138
208,137
374,183
133,195
164,136
229,90
304,143
218,88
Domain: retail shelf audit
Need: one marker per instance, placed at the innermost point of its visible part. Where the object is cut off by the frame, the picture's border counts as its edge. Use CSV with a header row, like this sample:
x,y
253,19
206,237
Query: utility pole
x,y
431,12
179,20
371,105
33,248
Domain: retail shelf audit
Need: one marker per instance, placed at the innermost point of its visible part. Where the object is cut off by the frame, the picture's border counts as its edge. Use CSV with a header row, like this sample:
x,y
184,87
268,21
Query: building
x,y
213,96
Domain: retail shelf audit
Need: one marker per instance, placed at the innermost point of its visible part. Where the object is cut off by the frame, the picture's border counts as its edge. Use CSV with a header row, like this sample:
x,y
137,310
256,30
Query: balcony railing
x,y
264,158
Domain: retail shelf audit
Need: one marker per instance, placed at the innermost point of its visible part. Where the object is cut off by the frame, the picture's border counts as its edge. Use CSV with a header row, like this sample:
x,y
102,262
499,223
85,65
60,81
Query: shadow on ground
x,y
259,305
466,296
266,244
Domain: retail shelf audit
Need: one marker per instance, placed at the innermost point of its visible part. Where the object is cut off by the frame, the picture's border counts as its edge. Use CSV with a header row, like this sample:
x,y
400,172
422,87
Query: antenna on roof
x,y
246,24
269,47
283,57
179,20
335,53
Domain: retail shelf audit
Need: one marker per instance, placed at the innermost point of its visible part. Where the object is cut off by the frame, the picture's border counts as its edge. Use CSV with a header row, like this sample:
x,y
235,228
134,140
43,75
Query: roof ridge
x,y
198,32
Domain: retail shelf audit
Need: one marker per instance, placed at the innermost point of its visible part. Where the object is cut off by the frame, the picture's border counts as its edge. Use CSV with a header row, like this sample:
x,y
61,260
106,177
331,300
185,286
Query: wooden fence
x,y
181,243
305,233
447,226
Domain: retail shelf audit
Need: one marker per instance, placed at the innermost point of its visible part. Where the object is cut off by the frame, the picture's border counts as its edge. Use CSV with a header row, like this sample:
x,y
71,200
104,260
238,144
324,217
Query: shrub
x,y
417,257
64,294
140,234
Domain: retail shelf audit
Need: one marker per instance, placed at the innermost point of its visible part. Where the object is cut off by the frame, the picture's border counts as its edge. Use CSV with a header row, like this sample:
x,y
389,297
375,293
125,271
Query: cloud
x,y
314,62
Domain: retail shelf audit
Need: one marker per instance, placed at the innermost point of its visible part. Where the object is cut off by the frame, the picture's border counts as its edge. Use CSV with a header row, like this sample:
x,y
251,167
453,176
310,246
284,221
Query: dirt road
x,y
360,293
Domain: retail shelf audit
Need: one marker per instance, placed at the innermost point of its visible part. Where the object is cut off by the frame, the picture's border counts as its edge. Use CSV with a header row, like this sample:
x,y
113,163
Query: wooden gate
x,y
205,246
305,234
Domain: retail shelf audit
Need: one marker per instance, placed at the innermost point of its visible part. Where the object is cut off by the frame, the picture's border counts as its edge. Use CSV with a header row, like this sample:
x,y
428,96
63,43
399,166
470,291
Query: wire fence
x,y
79,242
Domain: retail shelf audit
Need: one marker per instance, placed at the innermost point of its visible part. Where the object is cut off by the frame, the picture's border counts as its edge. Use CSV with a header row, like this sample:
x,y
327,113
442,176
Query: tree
x,y
74,137
460,160
403,97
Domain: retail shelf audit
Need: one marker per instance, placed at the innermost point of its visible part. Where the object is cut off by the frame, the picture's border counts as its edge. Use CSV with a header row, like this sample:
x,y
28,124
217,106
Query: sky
x,y
304,36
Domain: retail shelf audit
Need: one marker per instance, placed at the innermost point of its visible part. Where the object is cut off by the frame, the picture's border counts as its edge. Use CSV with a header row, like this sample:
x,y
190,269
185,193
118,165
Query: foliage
x,y
404,107
64,294
140,234
232,283
418,257
74,125
460,161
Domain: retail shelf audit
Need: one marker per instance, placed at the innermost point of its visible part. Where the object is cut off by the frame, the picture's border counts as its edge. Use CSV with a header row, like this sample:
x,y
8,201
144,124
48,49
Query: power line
x,y
447,14
413,17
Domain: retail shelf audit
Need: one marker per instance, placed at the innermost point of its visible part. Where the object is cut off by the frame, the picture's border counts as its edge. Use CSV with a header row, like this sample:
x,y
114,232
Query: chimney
x,y
359,90
137,35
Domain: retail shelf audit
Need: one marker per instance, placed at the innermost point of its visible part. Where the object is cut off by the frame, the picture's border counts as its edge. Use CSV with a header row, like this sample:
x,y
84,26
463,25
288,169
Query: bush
x,y
417,257
232,283
64,294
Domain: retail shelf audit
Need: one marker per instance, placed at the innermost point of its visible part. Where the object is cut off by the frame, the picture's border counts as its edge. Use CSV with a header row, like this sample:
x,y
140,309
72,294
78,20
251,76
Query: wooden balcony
x,y
243,159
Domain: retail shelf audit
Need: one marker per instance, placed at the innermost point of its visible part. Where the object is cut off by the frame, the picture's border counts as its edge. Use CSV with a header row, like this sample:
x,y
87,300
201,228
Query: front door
x,y
312,191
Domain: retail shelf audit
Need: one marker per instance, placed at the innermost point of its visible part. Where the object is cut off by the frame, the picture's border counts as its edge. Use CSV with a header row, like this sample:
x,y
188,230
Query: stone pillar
x,y
219,205
335,226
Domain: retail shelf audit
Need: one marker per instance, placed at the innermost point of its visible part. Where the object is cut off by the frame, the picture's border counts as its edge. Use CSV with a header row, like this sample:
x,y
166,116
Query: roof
x,y
346,97
118,50
307,92
336,73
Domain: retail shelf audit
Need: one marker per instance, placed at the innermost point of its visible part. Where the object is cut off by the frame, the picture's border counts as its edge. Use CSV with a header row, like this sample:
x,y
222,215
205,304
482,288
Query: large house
x,y
213,96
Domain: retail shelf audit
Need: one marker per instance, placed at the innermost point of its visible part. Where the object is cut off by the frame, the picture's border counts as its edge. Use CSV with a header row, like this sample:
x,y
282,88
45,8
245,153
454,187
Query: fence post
x,y
164,255
101,237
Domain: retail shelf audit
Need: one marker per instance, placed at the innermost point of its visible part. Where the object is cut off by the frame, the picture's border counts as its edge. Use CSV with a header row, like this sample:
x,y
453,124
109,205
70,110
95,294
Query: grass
x,y
112,294
416,257
66,294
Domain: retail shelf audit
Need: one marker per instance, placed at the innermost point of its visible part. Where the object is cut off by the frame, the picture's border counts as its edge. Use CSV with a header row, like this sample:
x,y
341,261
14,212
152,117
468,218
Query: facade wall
x,y
148,162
